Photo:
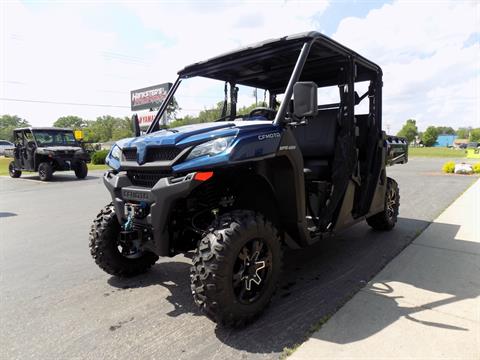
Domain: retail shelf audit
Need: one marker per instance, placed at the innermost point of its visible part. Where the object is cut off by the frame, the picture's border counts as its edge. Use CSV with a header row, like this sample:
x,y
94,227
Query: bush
x,y
476,168
449,167
98,157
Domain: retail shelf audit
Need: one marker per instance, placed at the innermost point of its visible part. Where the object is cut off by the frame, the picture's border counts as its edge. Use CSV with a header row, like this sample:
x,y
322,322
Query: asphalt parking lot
x,y
56,303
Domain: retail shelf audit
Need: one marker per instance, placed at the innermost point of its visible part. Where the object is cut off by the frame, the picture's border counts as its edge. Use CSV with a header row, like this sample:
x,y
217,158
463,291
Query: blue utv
x,y
237,190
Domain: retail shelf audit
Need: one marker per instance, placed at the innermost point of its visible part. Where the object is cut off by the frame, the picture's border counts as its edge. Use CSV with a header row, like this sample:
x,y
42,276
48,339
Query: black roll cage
x,y
32,130
329,55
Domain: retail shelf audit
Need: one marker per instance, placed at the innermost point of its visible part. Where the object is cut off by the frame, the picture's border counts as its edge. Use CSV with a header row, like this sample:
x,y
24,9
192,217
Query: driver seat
x,y
317,143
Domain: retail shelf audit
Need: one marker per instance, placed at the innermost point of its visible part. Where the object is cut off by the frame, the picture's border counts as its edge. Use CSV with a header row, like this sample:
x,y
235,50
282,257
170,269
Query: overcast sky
x,y
94,53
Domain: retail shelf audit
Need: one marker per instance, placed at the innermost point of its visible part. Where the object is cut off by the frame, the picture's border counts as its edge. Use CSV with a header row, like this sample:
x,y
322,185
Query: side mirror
x,y
305,99
136,125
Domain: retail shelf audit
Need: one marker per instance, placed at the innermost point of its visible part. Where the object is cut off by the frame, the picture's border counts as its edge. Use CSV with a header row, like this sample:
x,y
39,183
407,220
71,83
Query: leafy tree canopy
x,y
108,128
212,114
8,123
475,135
463,132
70,121
430,135
409,130
445,130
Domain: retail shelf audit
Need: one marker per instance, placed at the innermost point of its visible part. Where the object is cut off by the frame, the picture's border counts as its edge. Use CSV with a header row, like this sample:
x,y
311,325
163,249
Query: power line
x,y
64,103
82,104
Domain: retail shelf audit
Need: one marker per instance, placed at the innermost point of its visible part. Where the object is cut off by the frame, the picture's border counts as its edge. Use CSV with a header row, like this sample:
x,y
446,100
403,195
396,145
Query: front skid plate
x,y
161,199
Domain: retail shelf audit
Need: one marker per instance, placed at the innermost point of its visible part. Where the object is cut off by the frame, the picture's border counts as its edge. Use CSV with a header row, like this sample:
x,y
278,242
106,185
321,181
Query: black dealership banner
x,y
150,97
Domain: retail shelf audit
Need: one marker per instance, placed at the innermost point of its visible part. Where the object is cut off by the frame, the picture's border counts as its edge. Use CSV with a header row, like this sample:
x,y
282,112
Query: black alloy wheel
x,y
251,271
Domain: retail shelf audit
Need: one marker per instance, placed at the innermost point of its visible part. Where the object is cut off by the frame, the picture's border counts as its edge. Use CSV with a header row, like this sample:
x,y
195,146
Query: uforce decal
x,y
287,147
269,136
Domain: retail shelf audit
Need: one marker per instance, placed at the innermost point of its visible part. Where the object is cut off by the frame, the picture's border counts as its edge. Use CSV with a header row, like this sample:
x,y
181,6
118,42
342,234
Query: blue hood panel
x,y
247,143
189,134
171,136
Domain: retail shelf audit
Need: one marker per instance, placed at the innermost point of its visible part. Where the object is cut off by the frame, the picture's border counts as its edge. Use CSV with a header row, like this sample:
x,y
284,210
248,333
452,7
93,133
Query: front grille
x,y
130,154
162,153
146,178
65,155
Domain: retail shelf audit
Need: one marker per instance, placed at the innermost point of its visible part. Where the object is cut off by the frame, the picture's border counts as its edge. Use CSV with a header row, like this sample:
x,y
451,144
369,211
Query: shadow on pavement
x,y
316,282
442,276
174,276
57,178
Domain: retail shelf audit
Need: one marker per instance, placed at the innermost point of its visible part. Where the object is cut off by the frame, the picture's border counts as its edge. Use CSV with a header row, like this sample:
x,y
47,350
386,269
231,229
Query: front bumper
x,y
160,197
65,164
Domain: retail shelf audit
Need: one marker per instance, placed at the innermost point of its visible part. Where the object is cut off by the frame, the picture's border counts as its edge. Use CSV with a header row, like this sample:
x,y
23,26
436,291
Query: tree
x,y
207,115
445,130
8,123
107,128
123,129
463,132
71,121
214,113
430,136
245,110
475,135
409,130
172,109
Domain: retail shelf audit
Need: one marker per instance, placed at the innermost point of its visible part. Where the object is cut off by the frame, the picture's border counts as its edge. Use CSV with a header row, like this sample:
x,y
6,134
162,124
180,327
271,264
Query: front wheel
x,y
387,219
81,170
109,253
236,268
12,171
45,171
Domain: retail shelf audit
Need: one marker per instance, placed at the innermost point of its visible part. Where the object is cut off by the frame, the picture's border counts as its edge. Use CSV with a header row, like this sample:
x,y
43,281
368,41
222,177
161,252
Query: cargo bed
x,y
397,150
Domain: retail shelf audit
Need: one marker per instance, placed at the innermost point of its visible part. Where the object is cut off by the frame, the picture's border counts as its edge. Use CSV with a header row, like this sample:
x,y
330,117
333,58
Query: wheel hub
x,y
251,271
391,202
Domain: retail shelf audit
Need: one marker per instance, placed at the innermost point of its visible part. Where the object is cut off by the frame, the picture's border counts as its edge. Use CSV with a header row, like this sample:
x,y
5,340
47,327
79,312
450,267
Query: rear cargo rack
x,y
397,150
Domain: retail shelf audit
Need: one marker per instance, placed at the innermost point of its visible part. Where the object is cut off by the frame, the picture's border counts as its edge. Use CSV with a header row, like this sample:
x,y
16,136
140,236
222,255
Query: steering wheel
x,y
267,113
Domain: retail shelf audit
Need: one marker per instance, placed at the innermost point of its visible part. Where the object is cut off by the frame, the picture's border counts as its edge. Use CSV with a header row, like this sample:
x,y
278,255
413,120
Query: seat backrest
x,y
317,138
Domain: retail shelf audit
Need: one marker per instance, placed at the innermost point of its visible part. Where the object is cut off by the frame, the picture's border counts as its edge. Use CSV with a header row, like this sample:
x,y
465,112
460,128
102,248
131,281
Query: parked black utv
x,y
47,150
238,190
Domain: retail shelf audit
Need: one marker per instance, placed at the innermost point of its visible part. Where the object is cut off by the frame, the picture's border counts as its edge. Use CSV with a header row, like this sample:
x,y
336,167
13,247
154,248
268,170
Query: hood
x,y
188,135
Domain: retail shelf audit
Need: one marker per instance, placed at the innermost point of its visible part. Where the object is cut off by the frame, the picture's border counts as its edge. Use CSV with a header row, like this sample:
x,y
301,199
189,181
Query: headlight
x,y
116,153
210,148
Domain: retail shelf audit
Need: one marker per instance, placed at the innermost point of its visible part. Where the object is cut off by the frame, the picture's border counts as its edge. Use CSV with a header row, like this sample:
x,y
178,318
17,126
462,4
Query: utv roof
x,y
42,128
268,64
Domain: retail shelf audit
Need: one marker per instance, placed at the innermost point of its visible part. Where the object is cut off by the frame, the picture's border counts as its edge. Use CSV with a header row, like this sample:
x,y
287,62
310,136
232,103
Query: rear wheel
x,y
387,219
12,171
81,170
236,268
109,253
45,171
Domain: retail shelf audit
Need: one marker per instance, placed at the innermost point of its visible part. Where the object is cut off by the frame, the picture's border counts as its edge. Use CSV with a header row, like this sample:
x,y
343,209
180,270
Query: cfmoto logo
x,y
269,136
134,195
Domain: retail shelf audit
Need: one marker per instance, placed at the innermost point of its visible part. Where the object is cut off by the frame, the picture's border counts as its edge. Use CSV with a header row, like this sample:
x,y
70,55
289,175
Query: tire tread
x,y
210,264
103,252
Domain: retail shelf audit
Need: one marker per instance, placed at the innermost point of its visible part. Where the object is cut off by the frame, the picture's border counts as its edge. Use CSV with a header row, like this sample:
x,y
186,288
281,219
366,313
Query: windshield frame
x,y
280,116
49,131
